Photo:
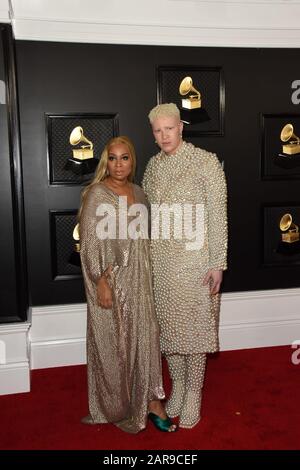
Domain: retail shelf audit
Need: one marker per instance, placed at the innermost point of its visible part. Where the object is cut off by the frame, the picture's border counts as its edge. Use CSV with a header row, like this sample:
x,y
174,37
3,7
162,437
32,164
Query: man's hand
x,y
214,279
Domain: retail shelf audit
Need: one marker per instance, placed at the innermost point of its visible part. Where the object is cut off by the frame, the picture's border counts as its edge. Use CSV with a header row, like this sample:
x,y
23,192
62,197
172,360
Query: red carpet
x,y
251,401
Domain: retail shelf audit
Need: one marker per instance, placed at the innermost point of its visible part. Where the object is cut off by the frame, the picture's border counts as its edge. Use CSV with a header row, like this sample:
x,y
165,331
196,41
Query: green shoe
x,y
87,420
164,425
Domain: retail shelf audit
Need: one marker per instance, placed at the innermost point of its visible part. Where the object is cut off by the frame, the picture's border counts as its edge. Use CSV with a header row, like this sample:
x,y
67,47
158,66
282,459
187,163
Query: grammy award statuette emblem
x,y
75,255
289,156
290,231
291,142
191,110
289,244
83,161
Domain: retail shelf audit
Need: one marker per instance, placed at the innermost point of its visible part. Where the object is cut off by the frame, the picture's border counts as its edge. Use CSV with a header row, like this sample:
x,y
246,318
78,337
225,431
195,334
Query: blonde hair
x,y
162,110
101,170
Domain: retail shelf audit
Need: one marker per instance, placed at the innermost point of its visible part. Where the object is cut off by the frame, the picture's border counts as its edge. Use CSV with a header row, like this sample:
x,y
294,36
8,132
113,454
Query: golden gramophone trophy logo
x,y
291,141
193,99
191,110
83,161
75,255
289,243
290,231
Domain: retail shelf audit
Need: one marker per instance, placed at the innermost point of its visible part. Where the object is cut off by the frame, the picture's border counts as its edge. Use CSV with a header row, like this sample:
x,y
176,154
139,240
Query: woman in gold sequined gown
x,y
123,355
186,281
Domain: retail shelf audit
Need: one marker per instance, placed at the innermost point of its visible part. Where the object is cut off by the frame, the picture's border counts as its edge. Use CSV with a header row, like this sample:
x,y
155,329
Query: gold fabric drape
x,y
124,364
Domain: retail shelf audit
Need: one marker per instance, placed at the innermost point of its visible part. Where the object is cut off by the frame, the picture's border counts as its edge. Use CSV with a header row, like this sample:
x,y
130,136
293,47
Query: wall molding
x,y
156,34
56,335
218,23
259,319
14,358
4,12
248,320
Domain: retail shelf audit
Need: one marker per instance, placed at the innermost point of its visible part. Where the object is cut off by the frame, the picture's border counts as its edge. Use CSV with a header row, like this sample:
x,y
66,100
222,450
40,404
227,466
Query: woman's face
x,y
167,132
119,163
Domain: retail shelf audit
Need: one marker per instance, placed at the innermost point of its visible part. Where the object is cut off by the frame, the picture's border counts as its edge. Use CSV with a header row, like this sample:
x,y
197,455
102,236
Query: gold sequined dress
x,y
188,315
123,355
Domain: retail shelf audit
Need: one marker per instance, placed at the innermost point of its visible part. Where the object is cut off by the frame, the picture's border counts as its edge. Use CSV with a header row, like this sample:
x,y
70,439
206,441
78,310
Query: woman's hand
x,y
104,292
214,279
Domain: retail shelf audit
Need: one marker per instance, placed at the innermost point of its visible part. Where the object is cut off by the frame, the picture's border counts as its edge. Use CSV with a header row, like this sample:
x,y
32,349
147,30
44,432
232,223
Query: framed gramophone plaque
x,y
281,229
65,257
75,143
280,146
199,93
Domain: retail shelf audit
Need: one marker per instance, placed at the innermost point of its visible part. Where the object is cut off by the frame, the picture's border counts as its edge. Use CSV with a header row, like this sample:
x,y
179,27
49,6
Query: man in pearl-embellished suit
x,y
186,281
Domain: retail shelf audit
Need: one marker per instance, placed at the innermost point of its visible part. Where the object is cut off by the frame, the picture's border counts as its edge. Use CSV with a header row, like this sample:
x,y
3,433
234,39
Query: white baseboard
x,y
57,336
259,319
66,352
14,378
14,358
247,320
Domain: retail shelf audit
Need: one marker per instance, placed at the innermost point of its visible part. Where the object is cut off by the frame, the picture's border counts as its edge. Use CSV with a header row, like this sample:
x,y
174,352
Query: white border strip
x,y
247,320
162,35
14,358
57,336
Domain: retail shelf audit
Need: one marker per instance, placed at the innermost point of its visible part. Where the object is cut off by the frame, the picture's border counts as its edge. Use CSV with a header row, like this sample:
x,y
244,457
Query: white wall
x,y
256,23
4,11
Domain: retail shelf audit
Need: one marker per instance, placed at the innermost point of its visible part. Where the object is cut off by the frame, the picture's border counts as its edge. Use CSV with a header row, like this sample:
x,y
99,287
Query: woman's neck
x,y
117,183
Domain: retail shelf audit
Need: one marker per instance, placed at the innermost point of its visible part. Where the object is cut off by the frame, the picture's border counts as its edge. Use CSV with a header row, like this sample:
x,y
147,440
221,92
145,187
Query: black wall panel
x,y
64,77
13,285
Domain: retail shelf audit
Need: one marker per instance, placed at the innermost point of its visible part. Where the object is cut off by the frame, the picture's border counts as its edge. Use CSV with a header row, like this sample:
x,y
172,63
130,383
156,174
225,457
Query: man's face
x,y
167,132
